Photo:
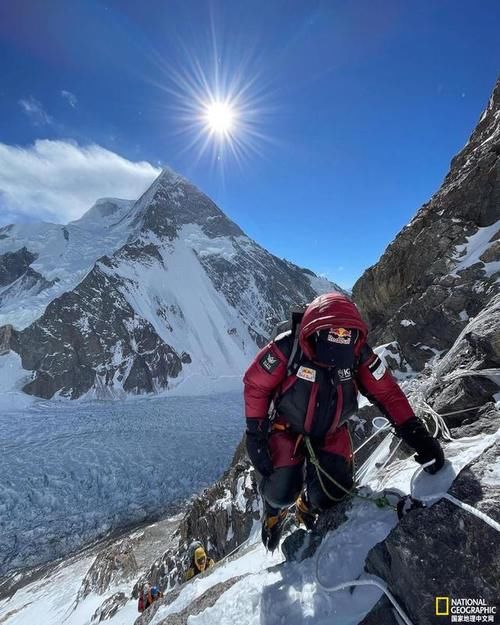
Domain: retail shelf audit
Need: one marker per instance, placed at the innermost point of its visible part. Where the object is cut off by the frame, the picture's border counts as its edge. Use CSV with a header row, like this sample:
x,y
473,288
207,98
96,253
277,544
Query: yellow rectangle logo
x,y
442,606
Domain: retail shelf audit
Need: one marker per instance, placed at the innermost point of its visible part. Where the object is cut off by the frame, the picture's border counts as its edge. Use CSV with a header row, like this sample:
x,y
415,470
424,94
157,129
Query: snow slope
x,y
65,254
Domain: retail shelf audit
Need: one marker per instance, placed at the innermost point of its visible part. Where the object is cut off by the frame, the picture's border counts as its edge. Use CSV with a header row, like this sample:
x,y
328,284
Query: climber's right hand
x,y
415,434
257,447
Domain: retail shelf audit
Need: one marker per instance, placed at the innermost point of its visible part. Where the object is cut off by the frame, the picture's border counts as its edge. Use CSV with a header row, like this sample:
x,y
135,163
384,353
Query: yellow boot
x,y
272,527
303,514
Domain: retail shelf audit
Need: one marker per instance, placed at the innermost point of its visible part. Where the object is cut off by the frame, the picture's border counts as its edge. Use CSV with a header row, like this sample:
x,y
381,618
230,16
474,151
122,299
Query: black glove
x,y
257,447
414,434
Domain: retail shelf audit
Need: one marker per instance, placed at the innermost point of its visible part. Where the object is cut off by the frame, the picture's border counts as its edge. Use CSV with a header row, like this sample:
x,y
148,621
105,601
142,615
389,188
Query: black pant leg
x,y
281,488
342,472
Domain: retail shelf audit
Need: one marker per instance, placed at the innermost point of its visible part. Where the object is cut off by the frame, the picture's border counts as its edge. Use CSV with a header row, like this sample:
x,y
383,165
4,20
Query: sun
x,y
219,117
220,108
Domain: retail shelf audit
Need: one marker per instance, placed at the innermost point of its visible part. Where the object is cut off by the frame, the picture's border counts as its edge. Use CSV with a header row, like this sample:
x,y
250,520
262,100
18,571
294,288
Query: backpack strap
x,y
296,319
291,365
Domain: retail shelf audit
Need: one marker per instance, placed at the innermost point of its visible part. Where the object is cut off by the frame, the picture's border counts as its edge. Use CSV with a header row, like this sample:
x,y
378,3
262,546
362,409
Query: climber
x,y
153,595
148,596
299,392
199,562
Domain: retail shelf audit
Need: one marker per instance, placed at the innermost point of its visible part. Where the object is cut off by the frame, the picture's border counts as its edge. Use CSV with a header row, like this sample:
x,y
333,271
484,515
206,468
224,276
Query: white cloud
x,y
60,180
70,98
35,111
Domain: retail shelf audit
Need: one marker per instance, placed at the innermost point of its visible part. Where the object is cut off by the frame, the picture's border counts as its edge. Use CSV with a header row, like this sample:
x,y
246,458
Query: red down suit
x,y
312,399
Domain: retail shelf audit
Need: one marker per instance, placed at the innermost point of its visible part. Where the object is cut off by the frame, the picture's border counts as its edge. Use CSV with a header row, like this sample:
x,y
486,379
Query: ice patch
x,y
12,378
407,322
469,253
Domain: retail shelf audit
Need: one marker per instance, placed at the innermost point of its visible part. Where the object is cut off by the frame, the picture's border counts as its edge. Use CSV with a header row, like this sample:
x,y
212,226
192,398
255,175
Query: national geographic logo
x,y
465,610
442,606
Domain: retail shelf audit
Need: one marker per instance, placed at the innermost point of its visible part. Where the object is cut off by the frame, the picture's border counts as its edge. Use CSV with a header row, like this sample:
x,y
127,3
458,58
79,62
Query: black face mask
x,y
334,347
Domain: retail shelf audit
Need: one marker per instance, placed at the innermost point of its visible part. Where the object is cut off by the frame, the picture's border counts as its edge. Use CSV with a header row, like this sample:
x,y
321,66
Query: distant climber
x,y
299,392
148,596
199,561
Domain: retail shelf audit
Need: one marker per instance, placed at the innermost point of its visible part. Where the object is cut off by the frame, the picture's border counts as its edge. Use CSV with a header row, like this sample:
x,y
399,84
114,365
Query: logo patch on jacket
x,y
305,373
377,368
269,362
345,375
340,335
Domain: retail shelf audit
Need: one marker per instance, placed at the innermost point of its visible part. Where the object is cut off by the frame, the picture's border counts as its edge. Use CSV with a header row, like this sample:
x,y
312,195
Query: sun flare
x,y
219,118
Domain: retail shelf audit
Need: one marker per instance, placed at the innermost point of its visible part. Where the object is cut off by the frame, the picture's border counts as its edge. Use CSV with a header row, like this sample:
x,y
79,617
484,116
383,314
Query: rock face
x,y
111,565
71,354
14,264
109,608
443,267
443,550
184,294
462,383
381,614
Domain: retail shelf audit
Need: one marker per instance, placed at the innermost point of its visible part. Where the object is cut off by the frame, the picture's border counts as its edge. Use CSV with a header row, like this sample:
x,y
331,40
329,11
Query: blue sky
x,y
348,112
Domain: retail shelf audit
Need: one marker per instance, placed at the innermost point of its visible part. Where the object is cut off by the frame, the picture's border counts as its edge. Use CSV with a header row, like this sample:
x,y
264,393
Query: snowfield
x,y
73,473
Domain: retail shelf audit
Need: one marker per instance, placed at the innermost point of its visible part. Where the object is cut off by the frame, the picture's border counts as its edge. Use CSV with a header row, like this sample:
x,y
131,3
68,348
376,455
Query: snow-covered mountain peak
x,y
172,202
146,296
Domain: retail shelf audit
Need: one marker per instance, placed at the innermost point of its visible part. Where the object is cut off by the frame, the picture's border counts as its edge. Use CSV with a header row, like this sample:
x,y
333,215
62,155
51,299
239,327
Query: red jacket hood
x,y
331,309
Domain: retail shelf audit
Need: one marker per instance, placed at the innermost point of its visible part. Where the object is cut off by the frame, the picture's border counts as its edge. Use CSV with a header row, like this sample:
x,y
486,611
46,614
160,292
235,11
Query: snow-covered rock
x,y
40,261
117,563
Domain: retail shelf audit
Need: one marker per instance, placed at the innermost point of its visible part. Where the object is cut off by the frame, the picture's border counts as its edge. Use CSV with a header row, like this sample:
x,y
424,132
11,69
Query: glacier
x,y
71,475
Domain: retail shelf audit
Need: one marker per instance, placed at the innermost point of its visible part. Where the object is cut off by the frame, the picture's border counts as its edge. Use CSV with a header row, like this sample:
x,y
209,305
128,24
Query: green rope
x,y
380,502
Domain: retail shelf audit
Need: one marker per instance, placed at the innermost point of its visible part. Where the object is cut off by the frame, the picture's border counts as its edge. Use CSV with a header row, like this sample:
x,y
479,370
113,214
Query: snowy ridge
x,y
64,255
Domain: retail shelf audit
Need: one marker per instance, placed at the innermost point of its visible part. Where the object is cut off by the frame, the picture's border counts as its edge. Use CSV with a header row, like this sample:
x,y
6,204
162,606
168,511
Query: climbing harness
x,y
380,501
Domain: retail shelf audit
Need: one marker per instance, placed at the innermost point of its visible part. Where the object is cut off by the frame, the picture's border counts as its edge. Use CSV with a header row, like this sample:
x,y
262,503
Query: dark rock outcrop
x,y
30,281
109,607
462,382
381,614
73,346
427,284
14,264
7,340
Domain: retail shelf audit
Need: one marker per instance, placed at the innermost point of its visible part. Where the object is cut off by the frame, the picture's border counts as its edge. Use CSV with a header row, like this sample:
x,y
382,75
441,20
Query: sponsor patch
x,y
345,375
269,362
305,373
377,368
340,335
